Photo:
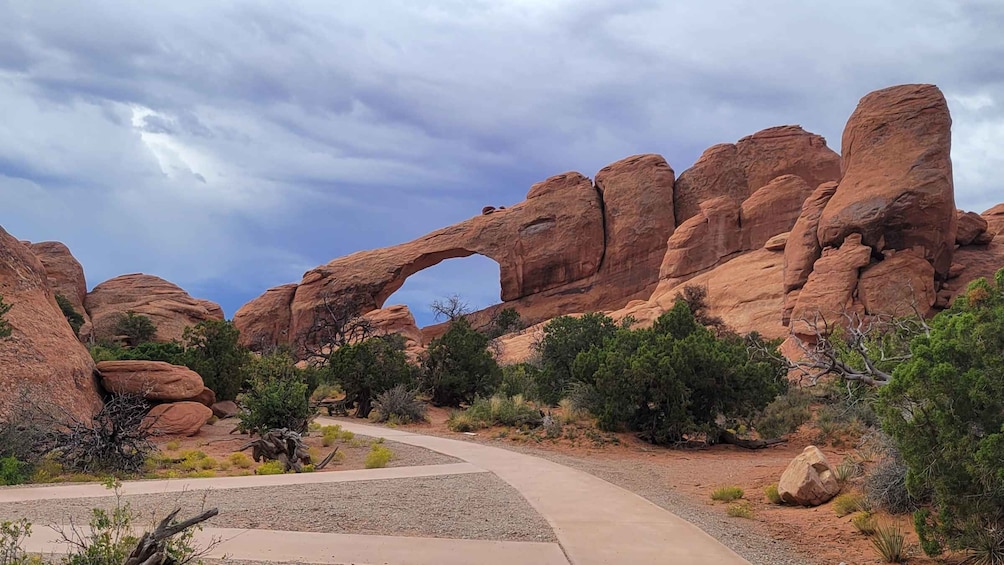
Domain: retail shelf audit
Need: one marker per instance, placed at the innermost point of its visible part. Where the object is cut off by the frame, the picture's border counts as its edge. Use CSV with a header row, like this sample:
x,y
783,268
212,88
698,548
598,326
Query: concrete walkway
x,y
597,523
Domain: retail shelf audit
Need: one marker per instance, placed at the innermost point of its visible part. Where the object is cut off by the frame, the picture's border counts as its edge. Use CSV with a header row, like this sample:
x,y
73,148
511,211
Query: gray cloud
x,y
229,146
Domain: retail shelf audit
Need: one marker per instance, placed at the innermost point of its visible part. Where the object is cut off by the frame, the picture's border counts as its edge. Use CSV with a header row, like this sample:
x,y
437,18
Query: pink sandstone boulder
x,y
803,247
154,380
65,275
264,322
897,190
808,480
772,209
177,418
206,398
902,284
971,226
778,242
995,219
828,295
41,355
703,240
225,409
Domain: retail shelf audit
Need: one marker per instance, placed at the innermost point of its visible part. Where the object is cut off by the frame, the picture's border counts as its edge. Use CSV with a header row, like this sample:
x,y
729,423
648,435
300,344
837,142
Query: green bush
x,y
378,456
847,503
136,328
784,414
270,468
519,380
864,521
212,350
740,510
496,411
457,367
890,543
565,337
12,536
5,328
677,380
945,412
169,352
367,369
727,494
772,494
505,321
399,405
74,318
276,397
13,471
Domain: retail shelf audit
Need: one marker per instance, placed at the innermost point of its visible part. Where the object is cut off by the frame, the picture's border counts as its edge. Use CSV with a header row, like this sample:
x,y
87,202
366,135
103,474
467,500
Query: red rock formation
x,y
738,170
42,354
397,320
206,398
771,210
703,240
177,418
264,322
829,293
153,380
896,190
802,248
167,305
995,219
65,275
970,228
900,285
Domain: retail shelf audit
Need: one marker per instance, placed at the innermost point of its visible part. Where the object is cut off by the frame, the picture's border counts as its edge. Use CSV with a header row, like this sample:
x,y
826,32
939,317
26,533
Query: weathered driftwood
x,y
152,547
286,446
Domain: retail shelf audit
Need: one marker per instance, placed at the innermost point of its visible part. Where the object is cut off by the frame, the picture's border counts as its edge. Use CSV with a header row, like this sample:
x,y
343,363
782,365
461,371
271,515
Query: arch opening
x,y
476,279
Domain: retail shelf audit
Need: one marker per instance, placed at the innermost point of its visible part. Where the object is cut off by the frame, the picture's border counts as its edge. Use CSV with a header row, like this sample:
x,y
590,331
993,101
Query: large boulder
x,y
902,284
772,209
167,305
177,418
897,189
65,275
995,220
808,480
703,240
970,228
828,296
225,409
153,380
41,355
264,322
738,170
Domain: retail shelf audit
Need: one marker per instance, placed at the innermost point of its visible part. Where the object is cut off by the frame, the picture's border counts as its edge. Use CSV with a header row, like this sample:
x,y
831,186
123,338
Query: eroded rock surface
x,y
65,275
808,480
153,380
177,418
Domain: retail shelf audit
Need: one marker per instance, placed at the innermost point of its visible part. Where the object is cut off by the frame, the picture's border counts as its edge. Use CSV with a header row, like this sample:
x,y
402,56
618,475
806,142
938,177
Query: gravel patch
x,y
474,506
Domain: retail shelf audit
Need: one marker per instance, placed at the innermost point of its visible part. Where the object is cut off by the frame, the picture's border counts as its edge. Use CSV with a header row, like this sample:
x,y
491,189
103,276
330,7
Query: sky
x,y
231,146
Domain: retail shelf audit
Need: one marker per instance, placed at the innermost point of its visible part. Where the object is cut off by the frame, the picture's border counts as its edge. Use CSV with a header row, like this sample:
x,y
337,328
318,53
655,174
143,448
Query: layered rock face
x,y
884,240
265,321
167,305
42,354
153,380
65,275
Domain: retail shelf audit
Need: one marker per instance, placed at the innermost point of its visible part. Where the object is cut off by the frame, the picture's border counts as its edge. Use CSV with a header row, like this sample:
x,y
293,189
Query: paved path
x,y
596,523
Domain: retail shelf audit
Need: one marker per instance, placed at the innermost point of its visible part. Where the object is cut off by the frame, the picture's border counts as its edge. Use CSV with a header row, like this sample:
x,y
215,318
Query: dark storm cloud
x,y
230,146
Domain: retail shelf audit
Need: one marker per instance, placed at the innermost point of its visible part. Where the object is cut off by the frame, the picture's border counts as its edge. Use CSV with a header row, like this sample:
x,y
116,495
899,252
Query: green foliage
x,y
5,329
678,380
367,369
457,367
170,352
727,494
504,322
846,470
378,457
212,350
136,328
890,543
847,503
565,337
864,521
784,414
520,379
240,460
945,412
399,405
742,509
74,318
770,491
276,396
496,411
12,536
270,468
13,471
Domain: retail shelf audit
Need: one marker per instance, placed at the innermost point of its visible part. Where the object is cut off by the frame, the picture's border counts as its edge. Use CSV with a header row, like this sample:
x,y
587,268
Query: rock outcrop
x,y
397,320
808,480
995,219
971,228
41,355
65,275
153,380
802,248
167,305
225,409
738,170
265,321
177,418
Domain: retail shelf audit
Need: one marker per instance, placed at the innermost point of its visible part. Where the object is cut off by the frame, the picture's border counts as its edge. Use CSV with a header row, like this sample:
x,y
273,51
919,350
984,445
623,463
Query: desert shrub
x,y
519,379
569,412
462,421
170,352
270,468
136,328
987,547
500,411
565,337
678,380
846,470
378,456
770,491
240,460
505,321
74,318
5,327
890,543
847,503
740,510
172,445
276,397
330,434
369,368
864,521
114,441
784,414
212,350
727,494
944,409
13,471
400,405
27,424
326,390
457,367
12,536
